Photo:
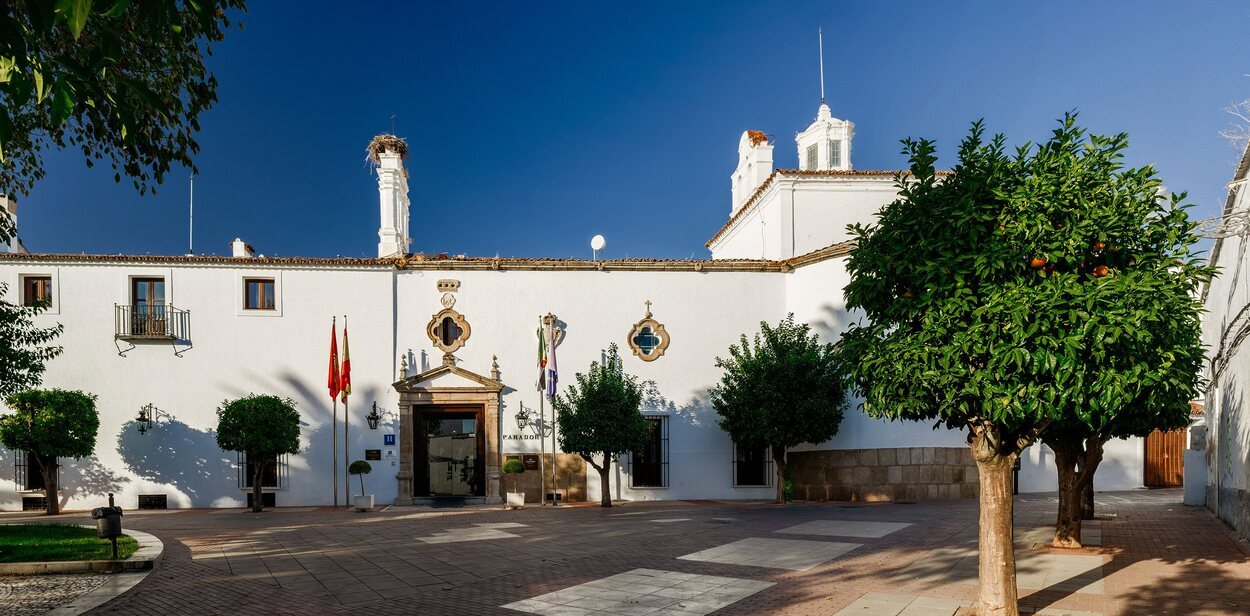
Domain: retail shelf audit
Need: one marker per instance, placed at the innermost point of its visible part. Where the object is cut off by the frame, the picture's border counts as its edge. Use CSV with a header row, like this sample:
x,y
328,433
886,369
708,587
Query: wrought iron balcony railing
x,y
151,321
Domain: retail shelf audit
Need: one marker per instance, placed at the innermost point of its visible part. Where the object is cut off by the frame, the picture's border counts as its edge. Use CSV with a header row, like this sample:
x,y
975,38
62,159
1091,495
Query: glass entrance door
x,y
452,462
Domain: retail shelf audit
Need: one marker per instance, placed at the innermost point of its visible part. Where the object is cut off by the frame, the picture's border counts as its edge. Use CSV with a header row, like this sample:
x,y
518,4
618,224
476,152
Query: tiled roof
x,y
1242,172
444,262
755,196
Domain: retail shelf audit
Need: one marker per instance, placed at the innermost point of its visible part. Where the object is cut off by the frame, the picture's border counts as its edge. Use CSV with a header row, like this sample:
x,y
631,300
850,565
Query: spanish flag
x,y
345,375
332,383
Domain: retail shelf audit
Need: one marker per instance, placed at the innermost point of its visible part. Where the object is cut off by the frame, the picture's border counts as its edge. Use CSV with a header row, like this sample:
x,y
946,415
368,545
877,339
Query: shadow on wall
x,y
1233,461
180,456
87,477
835,322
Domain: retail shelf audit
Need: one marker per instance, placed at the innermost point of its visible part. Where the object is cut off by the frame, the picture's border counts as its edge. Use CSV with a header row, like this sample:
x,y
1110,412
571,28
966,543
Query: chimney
x,y
241,250
387,153
13,244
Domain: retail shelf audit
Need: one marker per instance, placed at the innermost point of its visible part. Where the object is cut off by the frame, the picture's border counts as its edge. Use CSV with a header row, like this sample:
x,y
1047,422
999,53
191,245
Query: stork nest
x,y
385,142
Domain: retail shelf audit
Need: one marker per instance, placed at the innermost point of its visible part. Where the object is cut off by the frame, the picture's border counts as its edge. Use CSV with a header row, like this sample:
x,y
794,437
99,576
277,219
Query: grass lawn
x,y
48,542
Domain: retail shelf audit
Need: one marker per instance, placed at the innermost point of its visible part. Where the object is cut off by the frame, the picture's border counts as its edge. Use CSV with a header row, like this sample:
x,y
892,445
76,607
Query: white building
x,y
1225,328
446,349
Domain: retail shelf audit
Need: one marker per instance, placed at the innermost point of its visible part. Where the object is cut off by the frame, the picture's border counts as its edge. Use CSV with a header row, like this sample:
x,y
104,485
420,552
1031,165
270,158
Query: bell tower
x,y
826,144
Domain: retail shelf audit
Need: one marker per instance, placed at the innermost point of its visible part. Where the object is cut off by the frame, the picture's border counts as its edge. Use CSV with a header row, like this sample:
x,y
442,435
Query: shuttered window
x,y
812,153
835,153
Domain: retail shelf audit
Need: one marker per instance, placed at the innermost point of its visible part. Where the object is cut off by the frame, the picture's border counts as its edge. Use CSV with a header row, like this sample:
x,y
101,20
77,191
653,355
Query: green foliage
x,y
23,347
513,466
359,467
51,423
781,388
121,81
601,414
262,426
788,484
1048,286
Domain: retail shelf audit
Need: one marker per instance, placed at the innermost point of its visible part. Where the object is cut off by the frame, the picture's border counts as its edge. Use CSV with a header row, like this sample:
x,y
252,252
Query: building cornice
x,y
754,200
417,262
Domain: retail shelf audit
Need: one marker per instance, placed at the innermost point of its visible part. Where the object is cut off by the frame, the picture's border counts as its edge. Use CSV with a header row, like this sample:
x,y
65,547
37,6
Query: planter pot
x,y
363,503
516,499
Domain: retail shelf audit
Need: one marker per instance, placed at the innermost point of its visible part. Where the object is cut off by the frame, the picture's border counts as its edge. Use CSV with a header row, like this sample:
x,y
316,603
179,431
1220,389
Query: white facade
x,y
781,252
1225,327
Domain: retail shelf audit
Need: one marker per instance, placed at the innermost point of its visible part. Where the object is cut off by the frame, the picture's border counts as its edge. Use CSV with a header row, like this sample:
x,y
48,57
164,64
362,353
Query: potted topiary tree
x,y
364,502
512,467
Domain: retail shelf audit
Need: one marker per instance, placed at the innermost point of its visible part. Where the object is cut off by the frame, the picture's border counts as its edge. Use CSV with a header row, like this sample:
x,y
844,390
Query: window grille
x,y
753,466
274,477
648,468
812,152
26,474
835,153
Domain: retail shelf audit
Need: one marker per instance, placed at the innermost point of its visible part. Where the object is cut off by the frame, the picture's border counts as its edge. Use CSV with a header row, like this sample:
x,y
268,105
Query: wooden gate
x,y
1164,459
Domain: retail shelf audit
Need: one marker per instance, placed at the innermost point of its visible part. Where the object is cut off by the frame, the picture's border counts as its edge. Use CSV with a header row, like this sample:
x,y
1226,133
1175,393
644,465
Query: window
x,y
258,294
647,337
812,163
37,291
646,340
26,473
649,466
147,307
835,153
752,466
448,330
272,476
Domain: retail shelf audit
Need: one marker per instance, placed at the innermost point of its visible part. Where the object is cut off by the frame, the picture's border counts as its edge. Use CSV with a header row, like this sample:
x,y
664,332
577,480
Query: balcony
x,y
151,321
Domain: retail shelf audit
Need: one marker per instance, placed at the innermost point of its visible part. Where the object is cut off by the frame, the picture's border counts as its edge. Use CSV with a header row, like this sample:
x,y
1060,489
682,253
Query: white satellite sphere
x,y
597,242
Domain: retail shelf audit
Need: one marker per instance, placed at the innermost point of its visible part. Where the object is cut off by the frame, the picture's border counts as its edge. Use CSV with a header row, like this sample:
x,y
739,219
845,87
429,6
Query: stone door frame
x,y
485,394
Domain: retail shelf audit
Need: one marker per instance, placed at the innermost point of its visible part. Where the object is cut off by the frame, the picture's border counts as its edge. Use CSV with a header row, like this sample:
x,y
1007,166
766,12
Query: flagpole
x,y
347,478
334,444
542,449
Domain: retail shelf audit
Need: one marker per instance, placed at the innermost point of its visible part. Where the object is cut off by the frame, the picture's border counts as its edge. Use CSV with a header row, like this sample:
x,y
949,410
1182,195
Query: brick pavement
x,y
1158,557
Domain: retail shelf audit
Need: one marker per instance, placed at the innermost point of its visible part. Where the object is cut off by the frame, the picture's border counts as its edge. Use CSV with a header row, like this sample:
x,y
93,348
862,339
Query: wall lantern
x,y
373,418
522,417
377,415
148,415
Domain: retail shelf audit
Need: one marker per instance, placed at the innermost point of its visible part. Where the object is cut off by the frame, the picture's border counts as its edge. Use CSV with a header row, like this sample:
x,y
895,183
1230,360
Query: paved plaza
x,y
679,559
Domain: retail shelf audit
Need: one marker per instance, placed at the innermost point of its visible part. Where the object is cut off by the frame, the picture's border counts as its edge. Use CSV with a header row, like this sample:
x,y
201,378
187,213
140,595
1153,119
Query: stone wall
x,y
902,473
571,478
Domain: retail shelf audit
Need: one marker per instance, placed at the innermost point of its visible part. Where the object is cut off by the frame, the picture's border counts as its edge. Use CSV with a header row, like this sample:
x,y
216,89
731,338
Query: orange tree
x,y
48,425
263,428
1048,286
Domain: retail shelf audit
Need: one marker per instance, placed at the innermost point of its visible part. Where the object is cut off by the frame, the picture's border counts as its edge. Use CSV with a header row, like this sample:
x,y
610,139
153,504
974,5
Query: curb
x,y
144,559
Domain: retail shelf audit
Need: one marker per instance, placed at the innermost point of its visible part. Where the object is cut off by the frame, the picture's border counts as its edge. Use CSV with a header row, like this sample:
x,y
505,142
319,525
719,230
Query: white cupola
x,y
755,164
826,144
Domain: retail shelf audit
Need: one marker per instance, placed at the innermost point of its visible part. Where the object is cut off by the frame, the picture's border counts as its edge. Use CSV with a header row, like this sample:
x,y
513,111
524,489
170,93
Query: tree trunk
x,y
47,468
1087,502
258,474
1068,521
605,479
997,566
779,459
1089,467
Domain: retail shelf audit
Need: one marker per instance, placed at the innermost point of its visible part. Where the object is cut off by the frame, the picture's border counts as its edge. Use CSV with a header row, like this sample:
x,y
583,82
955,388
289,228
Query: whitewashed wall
x,y
1228,417
232,355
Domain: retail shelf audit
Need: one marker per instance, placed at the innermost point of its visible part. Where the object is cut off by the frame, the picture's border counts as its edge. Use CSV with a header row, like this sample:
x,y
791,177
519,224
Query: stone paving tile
x,y
889,604
477,532
1034,570
643,592
1159,557
845,528
36,594
792,554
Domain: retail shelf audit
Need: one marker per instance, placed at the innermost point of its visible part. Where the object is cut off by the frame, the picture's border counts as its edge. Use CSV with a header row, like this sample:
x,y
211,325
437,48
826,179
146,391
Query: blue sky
x,y
534,126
